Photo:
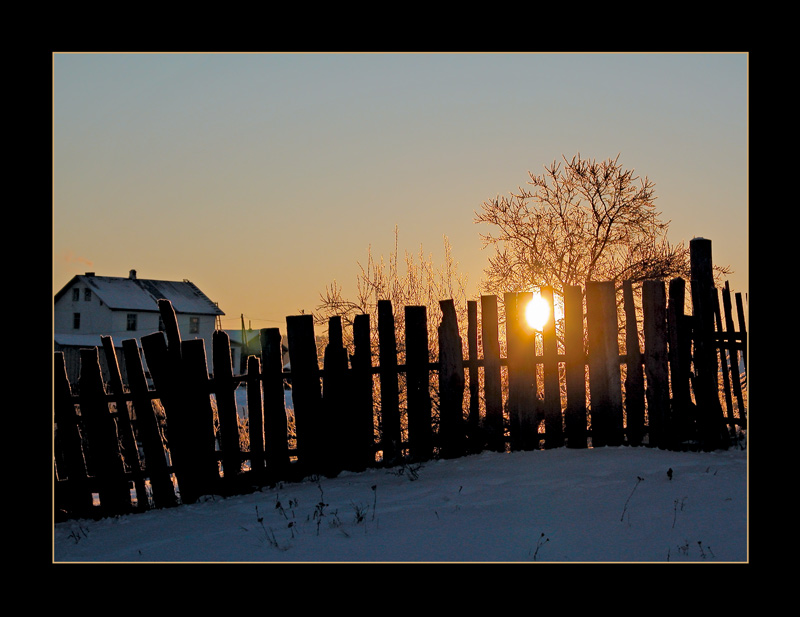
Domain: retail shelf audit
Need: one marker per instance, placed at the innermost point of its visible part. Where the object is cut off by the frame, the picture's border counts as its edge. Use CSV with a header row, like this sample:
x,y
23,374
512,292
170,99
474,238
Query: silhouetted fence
x,y
121,448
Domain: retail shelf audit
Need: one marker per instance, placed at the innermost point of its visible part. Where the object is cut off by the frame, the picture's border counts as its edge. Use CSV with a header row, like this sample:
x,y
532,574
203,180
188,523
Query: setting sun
x,y
537,312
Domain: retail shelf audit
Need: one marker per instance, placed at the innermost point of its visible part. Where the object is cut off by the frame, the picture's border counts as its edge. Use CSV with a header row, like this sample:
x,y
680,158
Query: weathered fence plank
x,y
391,436
733,350
679,328
105,460
575,368
522,387
604,372
420,430
492,375
224,387
276,426
127,439
710,421
335,390
306,391
634,372
452,436
363,428
656,361
553,422
155,461
198,422
475,439
255,418
73,495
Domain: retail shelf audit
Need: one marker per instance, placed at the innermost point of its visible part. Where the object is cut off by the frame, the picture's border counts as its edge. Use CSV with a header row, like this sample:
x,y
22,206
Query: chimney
x,y
89,274
133,275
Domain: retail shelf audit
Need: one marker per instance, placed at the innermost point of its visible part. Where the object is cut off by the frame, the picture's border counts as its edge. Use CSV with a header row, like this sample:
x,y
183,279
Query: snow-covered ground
x,y
596,505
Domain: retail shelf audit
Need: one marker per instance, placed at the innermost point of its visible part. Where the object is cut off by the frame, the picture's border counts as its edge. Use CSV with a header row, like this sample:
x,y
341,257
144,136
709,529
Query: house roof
x,y
131,293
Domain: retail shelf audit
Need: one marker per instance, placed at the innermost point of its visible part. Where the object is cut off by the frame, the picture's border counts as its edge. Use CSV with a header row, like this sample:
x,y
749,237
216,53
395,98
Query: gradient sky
x,y
264,177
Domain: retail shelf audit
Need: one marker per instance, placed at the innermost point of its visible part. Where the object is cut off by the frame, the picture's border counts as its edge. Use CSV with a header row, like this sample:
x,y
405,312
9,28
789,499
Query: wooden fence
x,y
121,448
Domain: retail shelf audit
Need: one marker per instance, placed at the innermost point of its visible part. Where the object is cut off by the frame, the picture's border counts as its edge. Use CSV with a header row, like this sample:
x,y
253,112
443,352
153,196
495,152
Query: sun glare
x,y
537,312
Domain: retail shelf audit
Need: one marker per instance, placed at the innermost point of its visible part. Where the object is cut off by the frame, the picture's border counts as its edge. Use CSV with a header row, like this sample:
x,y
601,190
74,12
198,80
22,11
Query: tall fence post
x,y
710,421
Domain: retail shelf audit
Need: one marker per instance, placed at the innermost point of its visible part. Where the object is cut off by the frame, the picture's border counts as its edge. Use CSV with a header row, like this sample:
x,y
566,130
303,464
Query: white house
x,y
91,306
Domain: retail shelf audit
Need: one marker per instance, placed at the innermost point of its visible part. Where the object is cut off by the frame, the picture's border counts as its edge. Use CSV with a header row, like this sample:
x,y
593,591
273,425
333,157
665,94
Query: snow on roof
x,y
77,340
132,293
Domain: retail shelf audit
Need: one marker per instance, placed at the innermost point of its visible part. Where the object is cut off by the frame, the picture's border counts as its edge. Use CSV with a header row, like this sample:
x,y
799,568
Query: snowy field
x,y
597,505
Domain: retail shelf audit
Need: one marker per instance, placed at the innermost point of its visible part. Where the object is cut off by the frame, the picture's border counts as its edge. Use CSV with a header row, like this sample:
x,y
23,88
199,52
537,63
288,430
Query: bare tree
x,y
421,283
580,220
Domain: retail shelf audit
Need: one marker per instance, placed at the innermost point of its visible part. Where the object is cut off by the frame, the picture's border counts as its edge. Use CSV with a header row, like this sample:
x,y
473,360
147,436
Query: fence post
x,y
226,408
734,351
127,440
451,384
155,462
306,391
604,374
574,368
276,428
420,432
553,423
364,422
105,460
634,371
475,438
71,463
680,343
523,417
336,416
493,421
711,426
390,396
199,421
656,365
255,417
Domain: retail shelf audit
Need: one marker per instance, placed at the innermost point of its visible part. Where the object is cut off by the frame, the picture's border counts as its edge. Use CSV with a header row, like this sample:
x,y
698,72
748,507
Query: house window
x,y
87,295
131,321
76,294
194,325
76,321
